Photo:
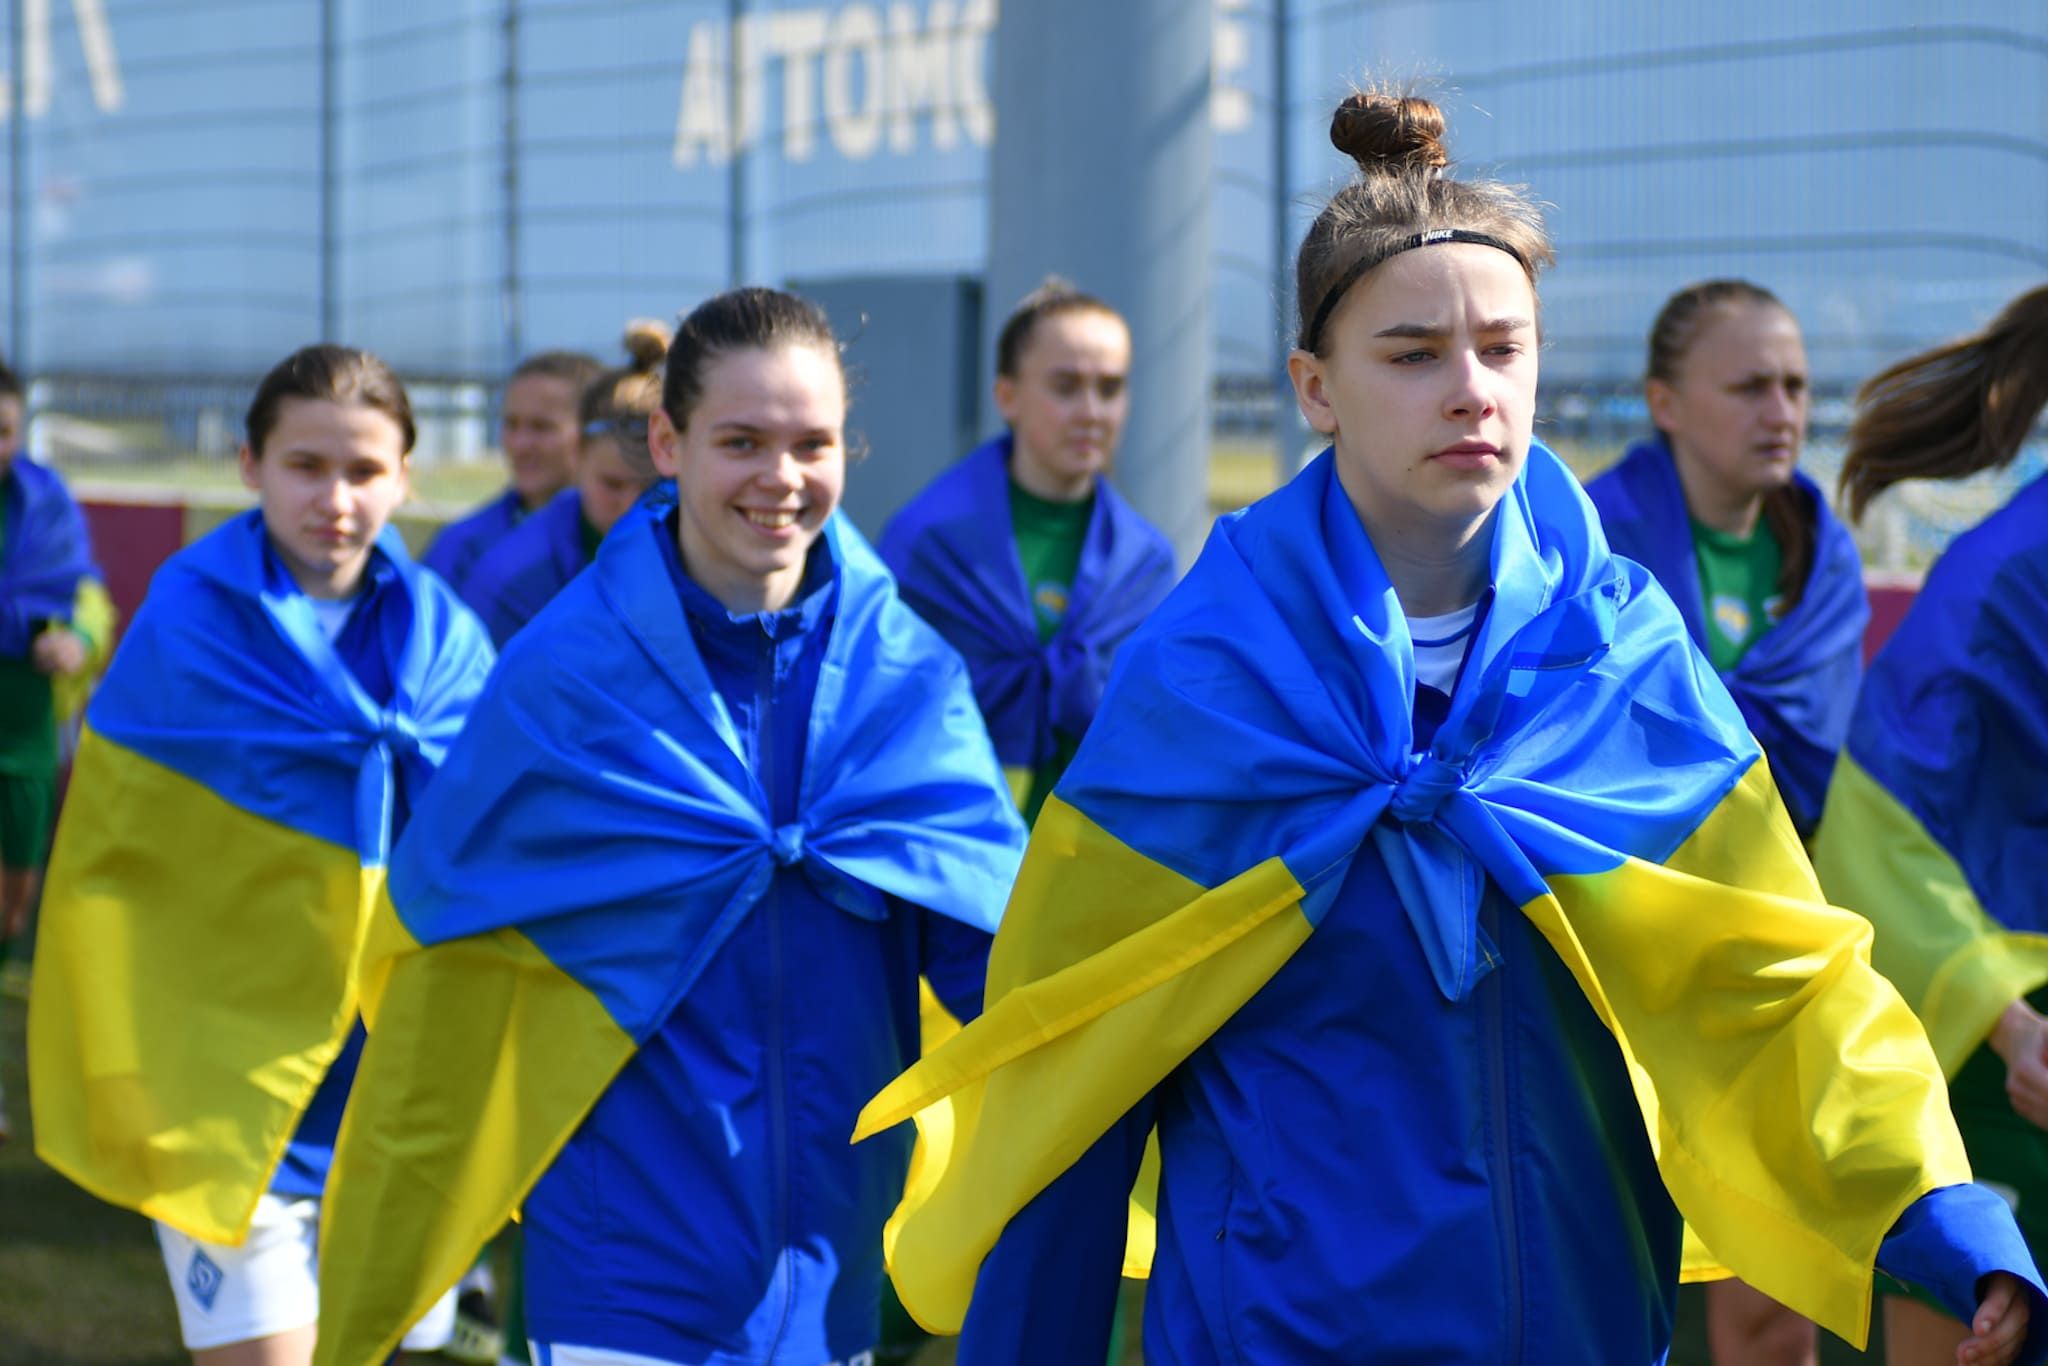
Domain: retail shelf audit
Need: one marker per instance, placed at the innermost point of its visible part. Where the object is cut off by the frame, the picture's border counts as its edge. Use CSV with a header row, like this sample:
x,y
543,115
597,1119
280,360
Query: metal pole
x,y
1101,172
510,289
736,76
1287,423
330,137
17,193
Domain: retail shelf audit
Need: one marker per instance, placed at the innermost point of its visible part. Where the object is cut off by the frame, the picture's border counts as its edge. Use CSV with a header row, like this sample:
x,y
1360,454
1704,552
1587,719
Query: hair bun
x,y
646,341
1389,133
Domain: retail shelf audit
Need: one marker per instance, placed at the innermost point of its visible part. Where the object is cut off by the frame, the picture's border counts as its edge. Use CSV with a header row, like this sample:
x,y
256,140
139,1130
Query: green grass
x,y
81,1283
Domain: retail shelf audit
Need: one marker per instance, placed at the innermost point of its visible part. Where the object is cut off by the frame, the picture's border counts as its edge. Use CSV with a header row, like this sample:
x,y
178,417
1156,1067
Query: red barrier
x,y
1889,599
130,540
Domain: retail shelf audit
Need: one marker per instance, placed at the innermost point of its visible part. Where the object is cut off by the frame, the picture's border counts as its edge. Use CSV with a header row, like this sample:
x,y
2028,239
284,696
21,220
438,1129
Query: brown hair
x,y
1053,297
1787,511
618,403
336,374
1397,141
746,319
1953,411
578,368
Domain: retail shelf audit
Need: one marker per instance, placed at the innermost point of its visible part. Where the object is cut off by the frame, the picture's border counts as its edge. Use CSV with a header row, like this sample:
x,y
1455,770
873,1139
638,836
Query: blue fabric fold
x,y
629,854
45,552
1293,708
460,543
1797,685
512,580
939,548
264,710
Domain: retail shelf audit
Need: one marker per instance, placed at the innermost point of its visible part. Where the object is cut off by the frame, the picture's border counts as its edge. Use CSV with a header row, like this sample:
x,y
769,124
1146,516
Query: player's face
x,y
1067,402
759,466
539,436
329,477
1736,415
10,431
1427,389
609,486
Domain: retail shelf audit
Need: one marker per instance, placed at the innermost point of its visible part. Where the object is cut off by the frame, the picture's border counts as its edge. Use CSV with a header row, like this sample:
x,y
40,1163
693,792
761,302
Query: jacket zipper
x,y
1494,991
778,1119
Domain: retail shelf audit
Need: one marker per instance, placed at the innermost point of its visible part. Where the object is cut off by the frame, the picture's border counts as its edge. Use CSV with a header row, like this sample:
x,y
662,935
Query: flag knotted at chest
x,y
1258,738
593,841
231,807
953,552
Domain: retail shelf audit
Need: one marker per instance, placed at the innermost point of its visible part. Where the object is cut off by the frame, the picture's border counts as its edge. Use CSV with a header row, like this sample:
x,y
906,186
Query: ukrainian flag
x,y
1937,819
593,841
224,833
1256,739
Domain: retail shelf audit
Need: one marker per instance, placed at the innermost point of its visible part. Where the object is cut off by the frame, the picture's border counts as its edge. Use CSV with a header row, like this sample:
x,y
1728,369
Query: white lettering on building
x,y
102,63
869,74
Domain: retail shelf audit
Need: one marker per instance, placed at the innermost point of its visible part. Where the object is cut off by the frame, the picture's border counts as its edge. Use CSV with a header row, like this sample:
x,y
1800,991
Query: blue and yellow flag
x,y
225,830
1937,822
593,841
953,552
1796,686
1257,739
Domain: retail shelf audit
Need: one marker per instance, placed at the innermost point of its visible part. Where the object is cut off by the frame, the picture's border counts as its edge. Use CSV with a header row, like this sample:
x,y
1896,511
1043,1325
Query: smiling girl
x,y
514,579
726,801
280,702
1434,908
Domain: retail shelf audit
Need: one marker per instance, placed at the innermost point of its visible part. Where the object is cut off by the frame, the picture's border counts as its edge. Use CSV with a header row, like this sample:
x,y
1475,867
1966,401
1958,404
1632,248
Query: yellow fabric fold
x,y
436,1150
192,985
1794,1104
1123,973
1956,966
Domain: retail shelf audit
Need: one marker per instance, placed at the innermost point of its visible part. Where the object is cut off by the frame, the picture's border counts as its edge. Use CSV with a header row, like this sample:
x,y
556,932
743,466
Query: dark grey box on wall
x,y
913,348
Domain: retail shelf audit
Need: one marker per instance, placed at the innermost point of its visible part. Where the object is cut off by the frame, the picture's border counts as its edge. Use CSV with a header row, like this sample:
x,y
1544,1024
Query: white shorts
x,y
568,1354
268,1285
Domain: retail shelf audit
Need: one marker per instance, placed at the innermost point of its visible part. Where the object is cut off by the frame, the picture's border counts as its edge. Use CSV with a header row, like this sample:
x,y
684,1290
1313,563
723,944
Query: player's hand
x,y
2021,1038
1999,1327
58,651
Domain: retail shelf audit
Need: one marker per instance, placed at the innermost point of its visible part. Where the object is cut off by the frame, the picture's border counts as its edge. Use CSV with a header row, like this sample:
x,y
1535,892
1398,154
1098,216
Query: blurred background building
x,y
195,187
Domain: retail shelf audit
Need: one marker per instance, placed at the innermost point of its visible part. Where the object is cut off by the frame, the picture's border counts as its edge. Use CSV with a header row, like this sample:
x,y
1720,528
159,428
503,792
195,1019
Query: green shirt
x,y
1738,589
1049,538
28,716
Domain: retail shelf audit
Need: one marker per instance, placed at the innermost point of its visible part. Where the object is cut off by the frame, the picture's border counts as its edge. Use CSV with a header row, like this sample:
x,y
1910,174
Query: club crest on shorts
x,y
203,1278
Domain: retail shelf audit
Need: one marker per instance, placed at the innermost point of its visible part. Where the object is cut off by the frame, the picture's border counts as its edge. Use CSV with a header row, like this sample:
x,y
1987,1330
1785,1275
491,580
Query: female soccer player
x,y
56,627
512,580
1436,908
1937,822
1767,579
724,803
538,432
1023,555
279,703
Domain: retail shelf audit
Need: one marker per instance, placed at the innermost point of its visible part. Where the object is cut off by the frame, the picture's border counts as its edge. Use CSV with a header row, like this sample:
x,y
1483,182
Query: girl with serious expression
x,y
1067,402
1427,389
329,477
1736,412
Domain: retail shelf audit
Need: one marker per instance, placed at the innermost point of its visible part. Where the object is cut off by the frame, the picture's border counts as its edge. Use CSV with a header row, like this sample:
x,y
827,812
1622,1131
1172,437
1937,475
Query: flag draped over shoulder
x,y
226,826
1937,822
1797,685
594,840
1257,739
44,555
952,551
